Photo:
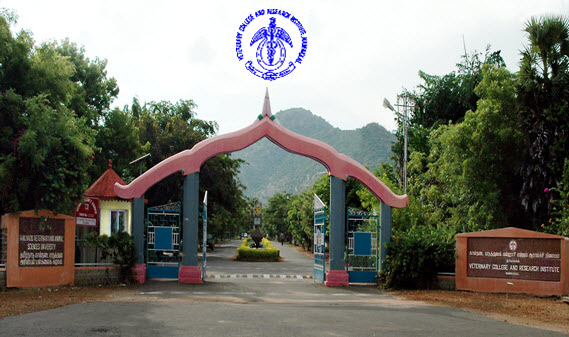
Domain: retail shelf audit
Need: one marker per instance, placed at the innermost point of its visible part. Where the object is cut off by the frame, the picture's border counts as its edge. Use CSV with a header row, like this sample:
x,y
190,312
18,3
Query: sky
x,y
357,52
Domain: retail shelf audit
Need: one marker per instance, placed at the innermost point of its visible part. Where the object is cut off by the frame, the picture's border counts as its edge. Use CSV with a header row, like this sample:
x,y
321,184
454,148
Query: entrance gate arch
x,y
189,162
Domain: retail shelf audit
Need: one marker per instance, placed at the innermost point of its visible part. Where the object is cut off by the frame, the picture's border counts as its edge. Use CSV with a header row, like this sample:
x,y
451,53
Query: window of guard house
x,y
118,221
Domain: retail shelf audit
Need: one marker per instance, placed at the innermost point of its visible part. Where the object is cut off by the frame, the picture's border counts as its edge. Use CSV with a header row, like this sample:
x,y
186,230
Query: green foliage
x,y
275,214
118,140
267,254
120,247
415,256
301,219
92,91
46,144
440,100
51,152
474,163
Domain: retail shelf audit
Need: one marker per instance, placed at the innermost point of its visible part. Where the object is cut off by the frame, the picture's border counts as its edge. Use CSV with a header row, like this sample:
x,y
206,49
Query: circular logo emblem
x,y
271,43
513,245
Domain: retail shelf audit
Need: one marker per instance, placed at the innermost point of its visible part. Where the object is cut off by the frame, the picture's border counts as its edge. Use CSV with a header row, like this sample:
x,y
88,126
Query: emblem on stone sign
x,y
513,245
263,40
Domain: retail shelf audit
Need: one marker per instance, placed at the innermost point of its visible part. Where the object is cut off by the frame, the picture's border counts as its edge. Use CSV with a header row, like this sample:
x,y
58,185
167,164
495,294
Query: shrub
x,y
414,257
246,253
120,247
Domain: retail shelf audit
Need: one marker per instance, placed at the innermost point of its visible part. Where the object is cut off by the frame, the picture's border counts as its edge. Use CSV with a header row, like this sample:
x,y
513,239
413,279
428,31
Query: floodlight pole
x,y
140,160
405,107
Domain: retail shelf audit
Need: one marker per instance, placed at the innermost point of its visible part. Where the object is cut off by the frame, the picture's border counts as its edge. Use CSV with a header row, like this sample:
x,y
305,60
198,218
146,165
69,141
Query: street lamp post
x,y
405,107
137,160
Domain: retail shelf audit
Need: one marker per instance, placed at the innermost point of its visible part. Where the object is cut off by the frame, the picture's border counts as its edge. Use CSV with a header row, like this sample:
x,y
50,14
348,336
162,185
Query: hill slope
x,y
271,169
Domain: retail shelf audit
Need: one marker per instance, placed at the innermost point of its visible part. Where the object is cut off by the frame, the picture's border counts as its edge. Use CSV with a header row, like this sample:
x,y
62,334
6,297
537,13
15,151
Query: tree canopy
x,y
58,131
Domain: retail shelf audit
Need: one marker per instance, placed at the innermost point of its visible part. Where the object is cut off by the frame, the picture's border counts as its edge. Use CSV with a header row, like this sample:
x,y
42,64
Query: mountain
x,y
271,169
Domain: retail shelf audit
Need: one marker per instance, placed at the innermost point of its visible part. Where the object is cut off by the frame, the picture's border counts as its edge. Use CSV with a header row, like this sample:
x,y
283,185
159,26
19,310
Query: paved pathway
x,y
220,264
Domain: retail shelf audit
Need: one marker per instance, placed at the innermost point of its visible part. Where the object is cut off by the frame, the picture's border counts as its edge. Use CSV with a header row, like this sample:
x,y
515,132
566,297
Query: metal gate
x,y
319,247
363,238
163,241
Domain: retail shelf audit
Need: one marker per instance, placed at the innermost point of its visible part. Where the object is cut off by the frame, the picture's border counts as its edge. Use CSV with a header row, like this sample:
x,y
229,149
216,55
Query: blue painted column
x,y
189,271
385,231
190,213
337,274
138,234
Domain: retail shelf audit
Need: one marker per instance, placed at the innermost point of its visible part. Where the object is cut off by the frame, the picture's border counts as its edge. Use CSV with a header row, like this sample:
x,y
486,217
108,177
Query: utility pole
x,y
405,107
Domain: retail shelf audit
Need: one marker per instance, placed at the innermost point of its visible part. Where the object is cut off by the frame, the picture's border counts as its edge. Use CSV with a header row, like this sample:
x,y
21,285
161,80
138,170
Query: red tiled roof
x,y
103,188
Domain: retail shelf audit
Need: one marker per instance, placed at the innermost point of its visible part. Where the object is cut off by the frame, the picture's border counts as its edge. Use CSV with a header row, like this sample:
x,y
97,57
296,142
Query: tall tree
x,y
93,92
275,214
45,149
118,140
168,128
479,158
543,93
440,100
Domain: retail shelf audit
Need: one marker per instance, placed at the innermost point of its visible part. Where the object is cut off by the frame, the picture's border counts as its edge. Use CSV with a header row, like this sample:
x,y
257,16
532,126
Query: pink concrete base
x,y
337,278
190,274
139,272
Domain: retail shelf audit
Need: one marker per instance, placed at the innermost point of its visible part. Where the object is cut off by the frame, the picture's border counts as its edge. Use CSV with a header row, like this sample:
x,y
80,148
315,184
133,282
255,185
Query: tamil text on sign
x,y
41,242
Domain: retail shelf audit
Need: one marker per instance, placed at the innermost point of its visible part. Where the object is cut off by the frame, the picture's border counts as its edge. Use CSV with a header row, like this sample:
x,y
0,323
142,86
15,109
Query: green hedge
x,y
269,254
414,257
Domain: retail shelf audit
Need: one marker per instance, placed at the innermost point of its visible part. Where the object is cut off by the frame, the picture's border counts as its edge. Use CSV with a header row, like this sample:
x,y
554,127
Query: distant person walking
x,y
281,237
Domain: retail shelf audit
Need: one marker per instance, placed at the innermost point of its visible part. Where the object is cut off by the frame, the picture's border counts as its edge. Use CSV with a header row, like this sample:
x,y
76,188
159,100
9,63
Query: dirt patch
x,y
21,301
549,313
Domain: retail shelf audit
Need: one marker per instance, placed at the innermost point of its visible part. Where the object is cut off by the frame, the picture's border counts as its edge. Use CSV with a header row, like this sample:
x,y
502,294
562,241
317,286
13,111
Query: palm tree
x,y
543,94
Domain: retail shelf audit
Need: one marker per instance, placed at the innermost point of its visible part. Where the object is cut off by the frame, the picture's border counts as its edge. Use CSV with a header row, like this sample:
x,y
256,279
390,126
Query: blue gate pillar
x,y
385,231
139,269
337,274
189,271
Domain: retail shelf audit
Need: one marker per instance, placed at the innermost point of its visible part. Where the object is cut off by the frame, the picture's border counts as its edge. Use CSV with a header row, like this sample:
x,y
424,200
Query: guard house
x,y
114,211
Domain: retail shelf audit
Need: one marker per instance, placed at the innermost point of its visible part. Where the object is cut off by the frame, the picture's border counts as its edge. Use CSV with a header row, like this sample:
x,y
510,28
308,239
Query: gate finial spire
x,y
267,106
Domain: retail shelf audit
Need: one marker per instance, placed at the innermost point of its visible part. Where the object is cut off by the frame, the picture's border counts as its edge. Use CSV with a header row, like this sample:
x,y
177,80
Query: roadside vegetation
x,y
487,149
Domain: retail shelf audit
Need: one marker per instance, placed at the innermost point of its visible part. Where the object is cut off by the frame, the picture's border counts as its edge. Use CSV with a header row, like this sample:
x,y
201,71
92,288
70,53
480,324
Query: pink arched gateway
x,y
189,162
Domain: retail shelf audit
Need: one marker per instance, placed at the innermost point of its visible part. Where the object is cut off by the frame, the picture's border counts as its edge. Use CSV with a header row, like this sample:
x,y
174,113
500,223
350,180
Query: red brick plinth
x,y
479,269
337,278
190,274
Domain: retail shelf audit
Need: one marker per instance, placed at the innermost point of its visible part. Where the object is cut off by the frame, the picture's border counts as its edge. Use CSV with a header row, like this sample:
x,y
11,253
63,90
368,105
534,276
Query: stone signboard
x,y
525,259
40,248
41,242
514,260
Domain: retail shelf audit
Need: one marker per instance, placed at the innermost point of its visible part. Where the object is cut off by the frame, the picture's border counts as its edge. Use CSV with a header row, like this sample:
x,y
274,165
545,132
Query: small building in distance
x,y
115,213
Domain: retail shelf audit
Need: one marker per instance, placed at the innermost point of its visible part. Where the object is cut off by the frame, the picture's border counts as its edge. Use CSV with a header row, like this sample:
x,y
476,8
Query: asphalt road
x,y
258,306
